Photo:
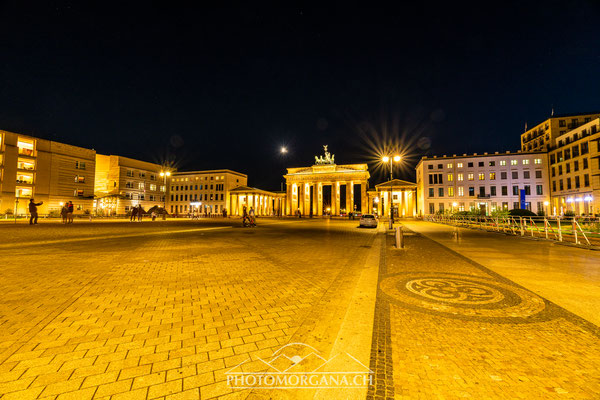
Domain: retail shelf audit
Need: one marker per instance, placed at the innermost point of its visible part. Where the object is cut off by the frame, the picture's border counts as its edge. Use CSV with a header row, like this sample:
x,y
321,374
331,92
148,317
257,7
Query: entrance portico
x,y
403,198
263,202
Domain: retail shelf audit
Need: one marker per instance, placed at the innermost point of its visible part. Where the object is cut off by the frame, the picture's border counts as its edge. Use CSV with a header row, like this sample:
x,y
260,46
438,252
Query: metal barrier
x,y
577,230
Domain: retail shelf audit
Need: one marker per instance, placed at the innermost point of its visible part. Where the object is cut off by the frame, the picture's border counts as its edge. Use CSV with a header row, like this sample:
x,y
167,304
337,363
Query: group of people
x,y
138,212
66,212
248,217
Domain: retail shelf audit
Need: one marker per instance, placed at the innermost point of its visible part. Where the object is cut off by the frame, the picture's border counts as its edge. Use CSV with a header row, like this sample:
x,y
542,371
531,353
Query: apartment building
x,y
543,136
122,183
45,170
205,192
575,170
486,182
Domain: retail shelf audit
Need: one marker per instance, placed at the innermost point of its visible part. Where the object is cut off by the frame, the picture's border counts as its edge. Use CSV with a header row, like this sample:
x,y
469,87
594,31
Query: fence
x,y
578,230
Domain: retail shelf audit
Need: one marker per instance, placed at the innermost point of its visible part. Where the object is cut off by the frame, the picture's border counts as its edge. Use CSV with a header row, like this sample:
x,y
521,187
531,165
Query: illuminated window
x,y
450,191
537,161
80,179
459,177
470,177
23,192
481,176
503,162
492,176
25,146
141,185
78,193
461,191
23,163
513,162
450,177
459,165
449,165
25,178
525,162
153,187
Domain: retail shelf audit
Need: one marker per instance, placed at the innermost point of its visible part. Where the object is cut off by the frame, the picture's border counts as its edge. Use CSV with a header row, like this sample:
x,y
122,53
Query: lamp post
x,y
391,160
164,175
546,204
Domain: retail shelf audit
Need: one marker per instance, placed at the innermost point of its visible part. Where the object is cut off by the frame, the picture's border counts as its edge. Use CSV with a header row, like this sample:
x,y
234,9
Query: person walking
x,y
140,212
252,217
33,211
70,210
153,216
244,215
133,215
63,212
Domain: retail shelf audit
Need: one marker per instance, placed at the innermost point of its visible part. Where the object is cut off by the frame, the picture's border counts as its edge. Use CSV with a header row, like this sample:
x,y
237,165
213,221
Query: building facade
x,y
575,170
203,192
48,171
326,188
542,137
485,182
263,202
122,183
403,195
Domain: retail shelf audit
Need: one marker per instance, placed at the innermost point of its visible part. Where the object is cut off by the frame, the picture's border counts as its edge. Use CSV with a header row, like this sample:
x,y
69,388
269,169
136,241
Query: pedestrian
x,y
244,215
63,212
70,209
224,213
252,215
33,211
133,216
140,212
153,216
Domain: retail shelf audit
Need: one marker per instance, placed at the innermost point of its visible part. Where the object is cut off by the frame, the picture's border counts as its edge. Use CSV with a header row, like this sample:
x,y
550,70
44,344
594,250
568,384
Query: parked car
x,y
368,220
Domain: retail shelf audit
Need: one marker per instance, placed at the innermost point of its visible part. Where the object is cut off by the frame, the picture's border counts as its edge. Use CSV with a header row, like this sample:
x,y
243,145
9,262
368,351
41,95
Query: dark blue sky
x,y
224,88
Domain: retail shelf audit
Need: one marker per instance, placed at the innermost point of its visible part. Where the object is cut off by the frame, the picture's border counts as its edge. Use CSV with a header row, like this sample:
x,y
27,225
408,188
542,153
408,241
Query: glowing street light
x,y
391,160
165,175
283,150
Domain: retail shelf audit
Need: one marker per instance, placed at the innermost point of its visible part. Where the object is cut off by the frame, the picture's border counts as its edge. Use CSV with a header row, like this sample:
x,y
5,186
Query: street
x,y
167,309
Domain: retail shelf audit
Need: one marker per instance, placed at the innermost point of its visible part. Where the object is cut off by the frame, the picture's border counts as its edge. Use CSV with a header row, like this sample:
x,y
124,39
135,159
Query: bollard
x,y
399,237
559,229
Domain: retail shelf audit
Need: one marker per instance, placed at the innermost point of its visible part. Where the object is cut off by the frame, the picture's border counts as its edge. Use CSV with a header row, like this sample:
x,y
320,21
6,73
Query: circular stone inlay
x,y
462,296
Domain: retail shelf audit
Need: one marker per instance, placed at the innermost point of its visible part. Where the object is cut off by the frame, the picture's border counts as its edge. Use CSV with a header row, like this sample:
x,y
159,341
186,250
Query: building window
x,y
459,165
575,151
527,190
568,167
515,190
440,166
79,165
459,177
25,147
441,192
537,161
492,163
502,163
153,187
561,123
481,163
430,166
503,175
79,179
525,174
481,176
461,191
141,185
560,185
585,148
560,170
470,177
538,174
450,177
525,162
450,191
449,165
585,163
515,174
575,165
492,176
470,165
554,186
577,182
586,180
568,183
513,162
471,191
142,174
431,208
515,205
78,193
492,190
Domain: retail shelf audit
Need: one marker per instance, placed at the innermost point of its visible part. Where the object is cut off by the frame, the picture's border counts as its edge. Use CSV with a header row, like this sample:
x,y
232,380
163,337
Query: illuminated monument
x,y
326,188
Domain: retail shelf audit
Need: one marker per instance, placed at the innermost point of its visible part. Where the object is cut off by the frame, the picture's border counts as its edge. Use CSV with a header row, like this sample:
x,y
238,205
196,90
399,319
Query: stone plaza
x,y
171,309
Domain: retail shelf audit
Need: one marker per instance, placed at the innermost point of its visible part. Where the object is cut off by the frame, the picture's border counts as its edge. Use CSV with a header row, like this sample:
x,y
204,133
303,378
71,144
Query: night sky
x,y
225,88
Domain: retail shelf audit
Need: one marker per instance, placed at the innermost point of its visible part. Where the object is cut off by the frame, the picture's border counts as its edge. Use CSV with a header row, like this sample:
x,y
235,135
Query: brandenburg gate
x,y
326,188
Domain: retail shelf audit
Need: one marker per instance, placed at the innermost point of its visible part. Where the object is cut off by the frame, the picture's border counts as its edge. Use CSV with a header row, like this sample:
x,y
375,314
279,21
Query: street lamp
x,y
165,175
283,150
391,160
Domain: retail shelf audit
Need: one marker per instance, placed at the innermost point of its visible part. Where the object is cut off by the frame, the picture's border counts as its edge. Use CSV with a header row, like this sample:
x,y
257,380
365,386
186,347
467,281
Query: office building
x,y
486,182
542,136
48,171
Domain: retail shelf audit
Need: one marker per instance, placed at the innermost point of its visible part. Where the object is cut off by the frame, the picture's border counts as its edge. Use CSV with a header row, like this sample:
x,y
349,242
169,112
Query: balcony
x,y
23,151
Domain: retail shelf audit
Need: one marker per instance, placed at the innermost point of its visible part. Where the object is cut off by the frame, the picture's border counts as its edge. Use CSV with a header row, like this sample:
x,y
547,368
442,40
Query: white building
x,y
486,182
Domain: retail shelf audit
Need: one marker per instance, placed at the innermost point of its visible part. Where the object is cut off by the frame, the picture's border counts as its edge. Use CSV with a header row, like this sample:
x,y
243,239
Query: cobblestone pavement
x,y
460,330
164,310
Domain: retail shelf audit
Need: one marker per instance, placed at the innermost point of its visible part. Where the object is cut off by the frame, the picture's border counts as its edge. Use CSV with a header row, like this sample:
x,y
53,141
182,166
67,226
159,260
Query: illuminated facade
x,y
402,193
203,192
122,183
486,182
326,188
48,171
575,170
263,202
542,137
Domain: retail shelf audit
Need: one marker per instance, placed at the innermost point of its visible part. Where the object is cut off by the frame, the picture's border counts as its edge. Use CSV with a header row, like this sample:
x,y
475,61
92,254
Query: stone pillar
x,y
349,196
363,196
